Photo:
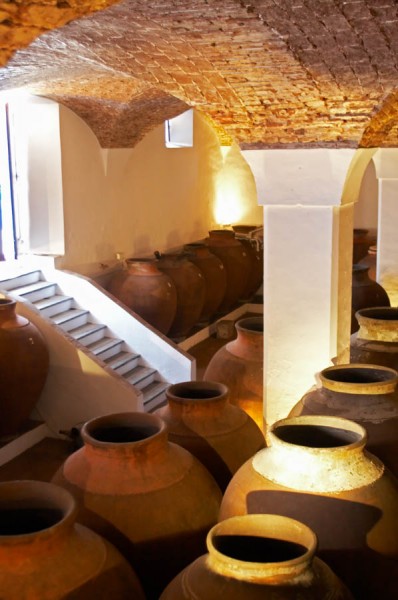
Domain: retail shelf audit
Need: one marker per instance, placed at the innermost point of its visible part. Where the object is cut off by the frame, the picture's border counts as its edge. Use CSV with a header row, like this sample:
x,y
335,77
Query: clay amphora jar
x,y
364,393
255,253
151,498
146,290
376,341
214,275
365,293
317,470
231,252
258,557
362,240
191,291
200,418
45,554
370,260
24,364
239,365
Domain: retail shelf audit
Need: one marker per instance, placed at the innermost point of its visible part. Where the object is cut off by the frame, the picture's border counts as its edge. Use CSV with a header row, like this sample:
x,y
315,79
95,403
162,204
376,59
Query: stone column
x,y
386,164
308,227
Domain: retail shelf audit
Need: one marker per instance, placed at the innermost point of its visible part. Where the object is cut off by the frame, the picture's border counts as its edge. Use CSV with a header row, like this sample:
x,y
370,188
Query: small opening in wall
x,y
179,131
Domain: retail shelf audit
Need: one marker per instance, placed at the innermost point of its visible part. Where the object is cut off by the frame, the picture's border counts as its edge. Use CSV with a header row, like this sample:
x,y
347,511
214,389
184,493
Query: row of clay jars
x,y
45,554
317,470
366,293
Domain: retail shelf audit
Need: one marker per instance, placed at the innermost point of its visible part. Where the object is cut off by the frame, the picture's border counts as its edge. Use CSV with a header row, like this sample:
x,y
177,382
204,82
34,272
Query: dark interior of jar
x,y
253,325
387,314
250,548
196,394
21,521
359,375
121,434
316,436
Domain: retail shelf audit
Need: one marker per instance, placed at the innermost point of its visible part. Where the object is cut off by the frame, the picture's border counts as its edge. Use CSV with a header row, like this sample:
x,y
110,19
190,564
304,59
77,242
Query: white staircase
x,y
79,323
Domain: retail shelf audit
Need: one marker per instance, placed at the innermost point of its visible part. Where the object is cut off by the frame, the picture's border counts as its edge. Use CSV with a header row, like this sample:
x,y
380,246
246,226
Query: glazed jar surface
x,y
376,341
24,364
316,470
144,289
215,277
200,418
45,554
191,291
153,499
222,243
253,557
239,365
365,394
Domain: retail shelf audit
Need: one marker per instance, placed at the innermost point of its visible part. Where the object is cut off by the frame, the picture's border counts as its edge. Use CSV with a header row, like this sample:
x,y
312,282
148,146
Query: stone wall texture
x,y
266,73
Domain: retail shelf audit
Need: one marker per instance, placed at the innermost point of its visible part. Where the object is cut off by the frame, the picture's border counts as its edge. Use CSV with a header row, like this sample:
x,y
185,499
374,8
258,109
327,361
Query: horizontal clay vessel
x,y
46,555
367,395
376,341
191,291
231,252
24,364
147,291
317,470
200,418
258,557
365,293
215,277
151,498
239,365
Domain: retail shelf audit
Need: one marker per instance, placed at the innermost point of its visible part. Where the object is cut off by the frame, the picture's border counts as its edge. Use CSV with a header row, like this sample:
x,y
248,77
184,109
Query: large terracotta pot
x,y
239,365
24,364
256,254
200,418
46,555
215,277
191,290
362,240
150,497
258,557
231,252
316,470
376,341
147,291
364,393
365,293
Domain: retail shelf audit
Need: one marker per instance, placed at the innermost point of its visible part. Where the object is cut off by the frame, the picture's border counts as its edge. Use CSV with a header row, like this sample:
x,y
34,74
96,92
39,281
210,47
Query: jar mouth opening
x,y
196,390
260,539
253,324
31,507
359,374
379,313
258,549
6,301
123,428
319,432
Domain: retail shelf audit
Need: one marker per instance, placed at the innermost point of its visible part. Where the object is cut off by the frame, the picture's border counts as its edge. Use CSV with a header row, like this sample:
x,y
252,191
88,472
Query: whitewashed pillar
x,y
386,164
308,228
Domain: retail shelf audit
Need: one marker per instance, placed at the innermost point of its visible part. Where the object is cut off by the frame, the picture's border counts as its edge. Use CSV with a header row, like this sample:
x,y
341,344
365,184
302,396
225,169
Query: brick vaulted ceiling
x,y
266,73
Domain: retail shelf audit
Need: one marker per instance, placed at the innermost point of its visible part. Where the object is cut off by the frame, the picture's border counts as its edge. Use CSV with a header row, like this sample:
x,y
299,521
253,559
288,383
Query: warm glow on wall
x,y
228,206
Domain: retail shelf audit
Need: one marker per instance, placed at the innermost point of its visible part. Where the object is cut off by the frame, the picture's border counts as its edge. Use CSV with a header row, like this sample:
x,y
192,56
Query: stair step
x,y
35,291
20,280
54,305
88,333
154,395
140,377
71,319
105,347
123,362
